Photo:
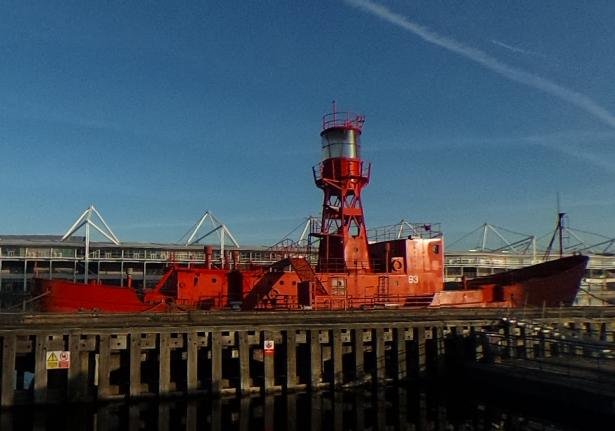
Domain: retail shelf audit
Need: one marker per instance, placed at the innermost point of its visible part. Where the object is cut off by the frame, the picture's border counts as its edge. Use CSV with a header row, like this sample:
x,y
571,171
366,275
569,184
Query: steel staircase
x,y
305,272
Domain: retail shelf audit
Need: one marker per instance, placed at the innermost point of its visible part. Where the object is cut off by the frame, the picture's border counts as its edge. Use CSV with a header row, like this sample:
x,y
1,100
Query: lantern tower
x,y
342,175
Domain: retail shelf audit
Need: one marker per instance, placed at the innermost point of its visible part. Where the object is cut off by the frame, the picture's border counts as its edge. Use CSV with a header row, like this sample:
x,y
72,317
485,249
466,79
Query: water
x,y
440,408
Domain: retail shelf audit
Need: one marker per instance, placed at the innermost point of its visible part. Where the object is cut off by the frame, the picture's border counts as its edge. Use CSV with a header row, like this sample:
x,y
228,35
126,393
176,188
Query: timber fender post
x,y
58,358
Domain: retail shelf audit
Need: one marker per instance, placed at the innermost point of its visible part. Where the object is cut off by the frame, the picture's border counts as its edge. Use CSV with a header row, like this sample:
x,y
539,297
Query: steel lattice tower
x,y
342,175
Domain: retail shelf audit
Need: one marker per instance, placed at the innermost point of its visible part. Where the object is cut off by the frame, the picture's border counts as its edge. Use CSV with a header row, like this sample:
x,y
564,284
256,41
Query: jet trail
x,y
515,49
512,73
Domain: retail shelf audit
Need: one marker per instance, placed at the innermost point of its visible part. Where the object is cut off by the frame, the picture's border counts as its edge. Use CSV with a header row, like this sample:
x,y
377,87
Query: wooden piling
x,y
104,366
135,365
9,349
400,359
269,385
174,359
245,382
419,336
164,364
40,370
192,355
359,354
378,347
290,339
336,358
216,362
315,359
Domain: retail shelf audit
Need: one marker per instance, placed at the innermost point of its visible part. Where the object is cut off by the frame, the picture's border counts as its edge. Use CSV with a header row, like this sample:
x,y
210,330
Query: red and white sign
x,y
269,347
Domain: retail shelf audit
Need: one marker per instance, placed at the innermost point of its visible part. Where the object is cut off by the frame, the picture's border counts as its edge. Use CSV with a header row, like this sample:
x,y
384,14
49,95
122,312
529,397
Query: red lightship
x,y
350,272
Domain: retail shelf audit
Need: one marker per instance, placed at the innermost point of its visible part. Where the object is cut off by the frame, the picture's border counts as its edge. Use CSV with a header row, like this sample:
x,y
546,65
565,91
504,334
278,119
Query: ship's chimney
x,y
129,277
209,252
235,258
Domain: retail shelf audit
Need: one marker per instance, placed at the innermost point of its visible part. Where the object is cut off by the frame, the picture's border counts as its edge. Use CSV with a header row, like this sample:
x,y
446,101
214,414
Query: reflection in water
x,y
390,409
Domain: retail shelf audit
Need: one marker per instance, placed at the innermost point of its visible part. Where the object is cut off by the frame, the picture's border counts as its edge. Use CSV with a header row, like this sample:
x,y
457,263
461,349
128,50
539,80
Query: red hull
x,y
550,284
62,296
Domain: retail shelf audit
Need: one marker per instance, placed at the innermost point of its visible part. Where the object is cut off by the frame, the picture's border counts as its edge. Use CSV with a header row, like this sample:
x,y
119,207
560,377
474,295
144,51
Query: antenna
x,y
560,226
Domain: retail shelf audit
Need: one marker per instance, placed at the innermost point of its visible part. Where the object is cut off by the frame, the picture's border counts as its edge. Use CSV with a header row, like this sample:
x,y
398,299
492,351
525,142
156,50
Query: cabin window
x,y
213,280
338,286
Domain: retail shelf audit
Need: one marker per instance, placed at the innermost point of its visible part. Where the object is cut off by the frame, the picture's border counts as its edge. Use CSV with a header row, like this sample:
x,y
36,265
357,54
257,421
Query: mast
x,y
559,233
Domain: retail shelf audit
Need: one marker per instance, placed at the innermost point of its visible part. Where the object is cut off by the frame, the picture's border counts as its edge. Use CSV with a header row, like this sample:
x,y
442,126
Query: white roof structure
x,y
308,225
215,227
87,219
490,238
90,218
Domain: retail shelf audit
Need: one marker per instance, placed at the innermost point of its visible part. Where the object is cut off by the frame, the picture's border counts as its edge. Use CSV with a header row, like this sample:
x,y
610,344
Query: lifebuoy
x,y
396,264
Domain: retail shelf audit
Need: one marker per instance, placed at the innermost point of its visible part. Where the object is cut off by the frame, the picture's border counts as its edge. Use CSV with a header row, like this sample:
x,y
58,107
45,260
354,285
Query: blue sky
x,y
477,111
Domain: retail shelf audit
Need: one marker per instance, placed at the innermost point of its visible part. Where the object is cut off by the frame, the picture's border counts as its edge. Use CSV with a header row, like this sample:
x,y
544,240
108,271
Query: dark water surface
x,y
442,408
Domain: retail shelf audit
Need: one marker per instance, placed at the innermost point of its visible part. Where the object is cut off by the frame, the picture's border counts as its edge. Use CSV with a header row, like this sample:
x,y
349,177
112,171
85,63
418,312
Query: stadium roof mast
x,y
308,226
311,224
405,228
86,220
216,226
522,245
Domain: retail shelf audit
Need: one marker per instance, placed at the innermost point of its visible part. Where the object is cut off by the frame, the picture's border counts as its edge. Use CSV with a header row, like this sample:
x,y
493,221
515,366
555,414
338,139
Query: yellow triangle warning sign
x,y
52,360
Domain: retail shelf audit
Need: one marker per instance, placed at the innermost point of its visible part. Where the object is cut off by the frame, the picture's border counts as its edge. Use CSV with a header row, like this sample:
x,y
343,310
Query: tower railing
x,y
348,120
364,171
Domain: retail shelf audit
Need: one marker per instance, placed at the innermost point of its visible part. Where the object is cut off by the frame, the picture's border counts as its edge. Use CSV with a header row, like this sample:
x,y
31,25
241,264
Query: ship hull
x,y
551,284
61,296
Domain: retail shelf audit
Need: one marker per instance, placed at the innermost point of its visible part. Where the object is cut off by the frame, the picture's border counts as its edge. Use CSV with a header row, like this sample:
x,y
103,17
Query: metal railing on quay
x,y
573,358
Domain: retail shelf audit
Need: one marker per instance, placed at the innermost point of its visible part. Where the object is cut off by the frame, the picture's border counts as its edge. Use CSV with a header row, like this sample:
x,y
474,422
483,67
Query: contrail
x,y
512,73
515,49
509,47
560,144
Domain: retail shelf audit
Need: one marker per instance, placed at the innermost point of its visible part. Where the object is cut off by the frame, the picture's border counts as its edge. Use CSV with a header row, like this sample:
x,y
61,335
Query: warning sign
x,y
268,346
58,359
